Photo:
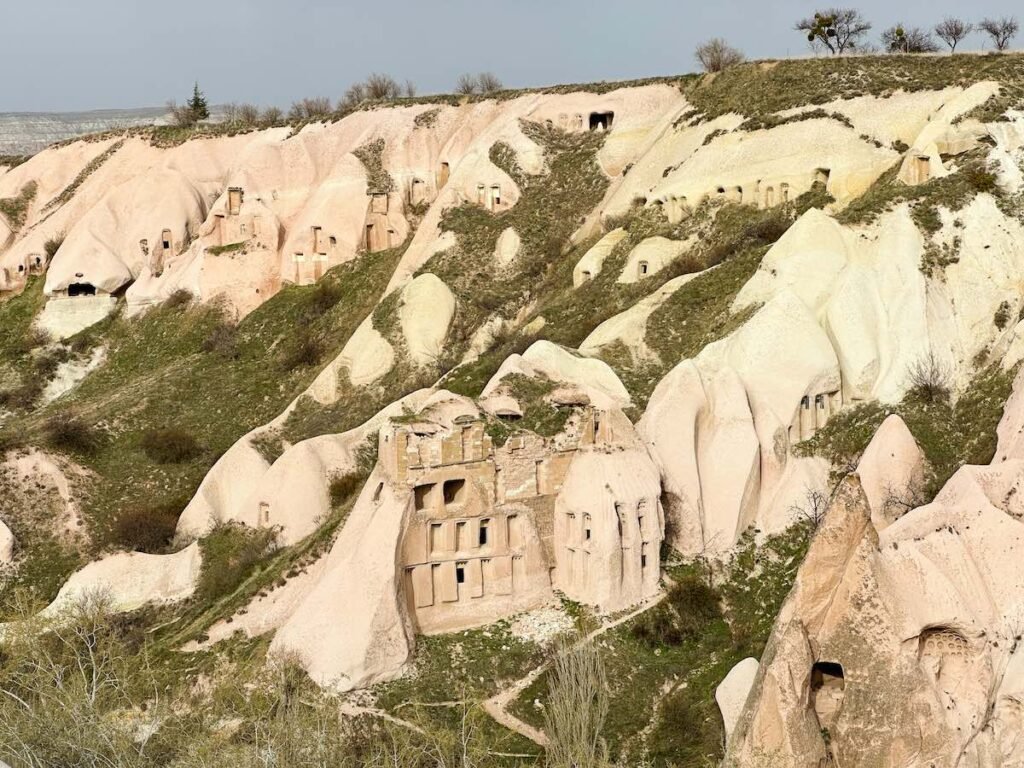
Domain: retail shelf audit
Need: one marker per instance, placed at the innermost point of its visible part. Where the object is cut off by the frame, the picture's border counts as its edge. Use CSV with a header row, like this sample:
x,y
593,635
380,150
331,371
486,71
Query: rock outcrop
x,y
905,642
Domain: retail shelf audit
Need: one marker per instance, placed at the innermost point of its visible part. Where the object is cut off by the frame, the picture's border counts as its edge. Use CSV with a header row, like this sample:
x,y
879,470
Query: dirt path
x,y
497,705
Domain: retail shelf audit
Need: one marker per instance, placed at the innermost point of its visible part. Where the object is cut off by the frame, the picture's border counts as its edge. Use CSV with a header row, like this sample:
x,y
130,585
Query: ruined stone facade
x,y
490,532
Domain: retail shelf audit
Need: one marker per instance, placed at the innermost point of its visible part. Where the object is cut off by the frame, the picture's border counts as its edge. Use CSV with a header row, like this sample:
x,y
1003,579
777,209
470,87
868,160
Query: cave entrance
x,y
828,686
81,289
601,121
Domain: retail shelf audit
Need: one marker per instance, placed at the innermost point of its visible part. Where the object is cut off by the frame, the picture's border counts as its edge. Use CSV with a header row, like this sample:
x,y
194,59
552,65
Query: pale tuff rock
x,y
352,628
427,309
731,693
650,257
6,544
71,373
131,580
452,531
506,250
366,357
243,487
882,315
231,219
909,637
630,326
942,136
720,426
547,360
589,266
891,471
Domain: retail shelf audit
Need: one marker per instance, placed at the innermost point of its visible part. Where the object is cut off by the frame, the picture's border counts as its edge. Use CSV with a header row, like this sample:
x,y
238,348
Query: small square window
x,y
460,573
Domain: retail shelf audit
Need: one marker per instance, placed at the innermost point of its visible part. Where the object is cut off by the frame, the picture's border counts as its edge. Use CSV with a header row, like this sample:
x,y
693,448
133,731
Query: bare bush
x,y
169,445
315,108
929,379
53,244
951,31
381,87
465,85
898,501
148,528
811,509
181,114
1001,31
576,708
248,114
716,55
304,351
488,82
222,340
482,83
180,299
71,433
272,116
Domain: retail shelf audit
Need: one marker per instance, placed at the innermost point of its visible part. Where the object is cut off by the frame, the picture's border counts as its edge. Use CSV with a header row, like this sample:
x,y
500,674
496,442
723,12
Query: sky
x,y
66,55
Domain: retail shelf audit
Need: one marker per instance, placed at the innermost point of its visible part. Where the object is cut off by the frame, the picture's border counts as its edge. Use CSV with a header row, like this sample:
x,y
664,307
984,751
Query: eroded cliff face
x,y
574,326
900,643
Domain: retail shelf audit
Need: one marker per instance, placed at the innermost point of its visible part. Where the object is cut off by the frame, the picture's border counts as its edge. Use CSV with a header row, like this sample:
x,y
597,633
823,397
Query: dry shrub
x,y
169,445
222,341
576,709
304,351
71,433
325,295
717,55
147,529
929,380
343,486
179,299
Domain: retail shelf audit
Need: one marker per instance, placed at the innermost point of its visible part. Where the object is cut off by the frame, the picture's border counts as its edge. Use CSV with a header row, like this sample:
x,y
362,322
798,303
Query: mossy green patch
x,y
15,209
159,370
949,434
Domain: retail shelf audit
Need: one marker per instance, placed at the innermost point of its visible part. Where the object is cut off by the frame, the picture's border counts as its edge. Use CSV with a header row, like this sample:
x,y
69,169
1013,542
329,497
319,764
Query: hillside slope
x,y
378,408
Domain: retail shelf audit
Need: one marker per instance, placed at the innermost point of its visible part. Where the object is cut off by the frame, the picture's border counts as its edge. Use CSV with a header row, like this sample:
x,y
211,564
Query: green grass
x,y
952,192
217,250
759,89
949,434
158,373
686,729
15,209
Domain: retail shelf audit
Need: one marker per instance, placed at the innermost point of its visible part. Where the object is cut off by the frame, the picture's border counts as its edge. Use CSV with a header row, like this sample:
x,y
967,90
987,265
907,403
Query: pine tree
x,y
197,105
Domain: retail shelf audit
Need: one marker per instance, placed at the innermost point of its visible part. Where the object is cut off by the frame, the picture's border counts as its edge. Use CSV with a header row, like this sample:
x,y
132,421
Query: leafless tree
x,y
899,501
466,84
929,379
576,708
838,30
716,55
409,89
181,114
951,31
1002,30
248,114
272,116
310,109
900,39
812,508
381,87
488,82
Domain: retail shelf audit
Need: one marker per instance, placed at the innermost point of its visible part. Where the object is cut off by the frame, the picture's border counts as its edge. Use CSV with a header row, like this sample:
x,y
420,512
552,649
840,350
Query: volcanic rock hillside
x,y
414,411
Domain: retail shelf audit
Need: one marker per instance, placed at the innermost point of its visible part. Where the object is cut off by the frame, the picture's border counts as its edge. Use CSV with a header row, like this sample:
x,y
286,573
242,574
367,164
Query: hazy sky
x,y
85,54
